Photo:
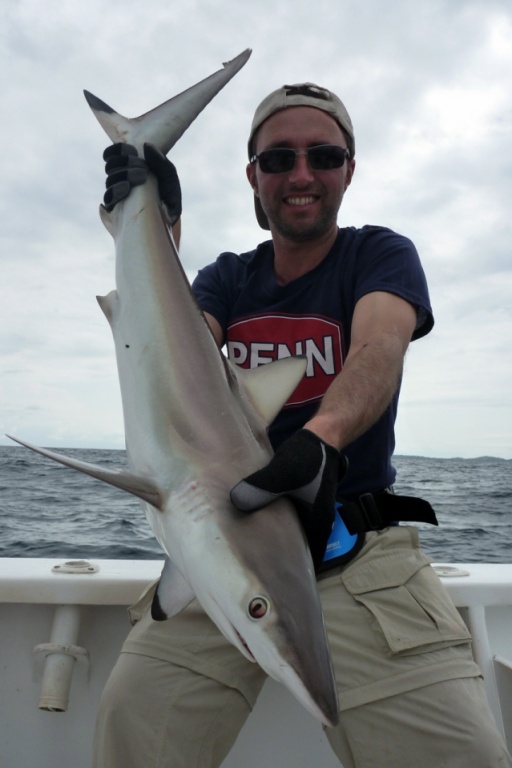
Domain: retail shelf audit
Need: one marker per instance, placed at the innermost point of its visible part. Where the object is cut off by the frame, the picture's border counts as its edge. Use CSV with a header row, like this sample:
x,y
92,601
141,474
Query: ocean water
x,y
50,511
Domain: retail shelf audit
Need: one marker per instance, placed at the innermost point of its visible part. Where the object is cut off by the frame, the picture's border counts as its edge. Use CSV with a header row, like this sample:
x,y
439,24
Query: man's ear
x,y
350,172
251,176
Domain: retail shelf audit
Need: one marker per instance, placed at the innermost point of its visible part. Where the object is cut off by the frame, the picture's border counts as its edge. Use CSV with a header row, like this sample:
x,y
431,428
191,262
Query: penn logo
x,y
259,340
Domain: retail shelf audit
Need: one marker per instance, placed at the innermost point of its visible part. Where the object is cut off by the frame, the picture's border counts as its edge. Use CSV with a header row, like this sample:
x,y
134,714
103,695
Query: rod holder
x,y
60,655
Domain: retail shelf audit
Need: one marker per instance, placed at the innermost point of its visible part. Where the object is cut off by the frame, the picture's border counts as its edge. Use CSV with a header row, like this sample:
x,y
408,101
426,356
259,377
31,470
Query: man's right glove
x,y
125,169
306,469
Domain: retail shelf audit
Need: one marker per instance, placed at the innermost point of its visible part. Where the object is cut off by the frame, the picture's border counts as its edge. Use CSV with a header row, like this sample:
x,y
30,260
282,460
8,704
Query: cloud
x,y
427,86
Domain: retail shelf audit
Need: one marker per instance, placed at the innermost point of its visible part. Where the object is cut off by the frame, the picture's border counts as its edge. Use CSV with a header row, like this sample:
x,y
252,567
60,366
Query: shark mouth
x,y
244,644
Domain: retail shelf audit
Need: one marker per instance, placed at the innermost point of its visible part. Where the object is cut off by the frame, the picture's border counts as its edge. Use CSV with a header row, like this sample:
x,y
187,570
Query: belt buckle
x,y
371,514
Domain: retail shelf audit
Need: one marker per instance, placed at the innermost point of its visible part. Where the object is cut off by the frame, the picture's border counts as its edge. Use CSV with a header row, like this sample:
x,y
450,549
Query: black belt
x,y
374,511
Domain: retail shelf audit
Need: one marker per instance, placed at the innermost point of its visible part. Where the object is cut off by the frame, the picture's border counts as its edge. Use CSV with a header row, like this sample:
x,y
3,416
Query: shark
x,y
196,424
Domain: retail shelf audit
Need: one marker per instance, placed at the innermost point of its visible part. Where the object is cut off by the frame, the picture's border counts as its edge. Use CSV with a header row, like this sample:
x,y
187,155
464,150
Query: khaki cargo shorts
x,y
391,624
409,690
392,627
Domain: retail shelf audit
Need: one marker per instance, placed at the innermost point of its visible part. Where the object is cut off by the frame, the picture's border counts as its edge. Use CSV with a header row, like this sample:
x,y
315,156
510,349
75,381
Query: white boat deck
x,y
40,605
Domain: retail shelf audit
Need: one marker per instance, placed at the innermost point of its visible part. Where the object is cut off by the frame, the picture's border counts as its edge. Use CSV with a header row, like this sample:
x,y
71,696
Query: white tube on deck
x,y
61,653
484,658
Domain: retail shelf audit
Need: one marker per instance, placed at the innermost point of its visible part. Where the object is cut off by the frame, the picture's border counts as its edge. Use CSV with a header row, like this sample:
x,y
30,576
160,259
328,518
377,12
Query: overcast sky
x,y
428,86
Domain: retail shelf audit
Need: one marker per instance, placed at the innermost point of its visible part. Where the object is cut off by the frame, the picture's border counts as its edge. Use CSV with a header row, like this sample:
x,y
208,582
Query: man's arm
x,y
215,328
307,467
176,232
382,327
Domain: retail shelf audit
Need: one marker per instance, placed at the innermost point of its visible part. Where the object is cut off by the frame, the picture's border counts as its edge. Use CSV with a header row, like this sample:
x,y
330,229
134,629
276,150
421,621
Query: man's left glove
x,y
306,469
125,169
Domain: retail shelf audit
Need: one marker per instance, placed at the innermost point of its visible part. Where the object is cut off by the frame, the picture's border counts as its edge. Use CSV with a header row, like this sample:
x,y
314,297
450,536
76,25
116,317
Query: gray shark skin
x,y
195,425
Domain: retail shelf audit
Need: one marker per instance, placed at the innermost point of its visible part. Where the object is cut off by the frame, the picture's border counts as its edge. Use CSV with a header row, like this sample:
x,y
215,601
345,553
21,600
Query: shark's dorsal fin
x,y
120,478
269,386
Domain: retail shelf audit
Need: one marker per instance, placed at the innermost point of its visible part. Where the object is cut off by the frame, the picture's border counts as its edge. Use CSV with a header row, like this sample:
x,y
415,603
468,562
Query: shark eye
x,y
258,607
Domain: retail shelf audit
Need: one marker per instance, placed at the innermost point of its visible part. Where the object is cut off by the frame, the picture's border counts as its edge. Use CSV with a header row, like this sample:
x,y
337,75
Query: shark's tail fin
x,y
164,125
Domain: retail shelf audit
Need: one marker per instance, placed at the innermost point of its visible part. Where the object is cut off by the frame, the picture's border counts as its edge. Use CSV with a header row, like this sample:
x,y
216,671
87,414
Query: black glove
x,y
306,469
125,169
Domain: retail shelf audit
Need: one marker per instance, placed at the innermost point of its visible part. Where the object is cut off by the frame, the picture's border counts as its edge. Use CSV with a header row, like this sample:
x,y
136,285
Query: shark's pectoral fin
x,y
172,595
269,386
126,481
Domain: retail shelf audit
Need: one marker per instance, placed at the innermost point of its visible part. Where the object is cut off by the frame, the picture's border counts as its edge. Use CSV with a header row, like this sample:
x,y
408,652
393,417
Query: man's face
x,y
302,204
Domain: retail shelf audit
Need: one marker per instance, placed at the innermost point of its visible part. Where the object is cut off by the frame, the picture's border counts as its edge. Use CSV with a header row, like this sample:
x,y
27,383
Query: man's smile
x,y
304,200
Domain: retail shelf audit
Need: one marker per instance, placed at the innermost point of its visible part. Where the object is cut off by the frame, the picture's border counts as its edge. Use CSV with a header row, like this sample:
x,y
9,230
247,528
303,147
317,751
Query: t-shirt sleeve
x,y
389,262
214,286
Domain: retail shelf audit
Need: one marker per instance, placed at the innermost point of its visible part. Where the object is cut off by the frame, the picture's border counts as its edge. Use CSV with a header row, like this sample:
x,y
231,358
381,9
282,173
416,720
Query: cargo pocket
x,y
407,600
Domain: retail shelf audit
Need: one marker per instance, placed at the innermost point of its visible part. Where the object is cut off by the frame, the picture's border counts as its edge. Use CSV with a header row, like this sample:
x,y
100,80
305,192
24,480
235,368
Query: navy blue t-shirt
x,y
263,321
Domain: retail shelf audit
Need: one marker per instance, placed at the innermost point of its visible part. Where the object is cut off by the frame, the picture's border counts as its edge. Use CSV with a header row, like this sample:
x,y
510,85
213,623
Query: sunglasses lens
x,y
276,160
321,158
326,158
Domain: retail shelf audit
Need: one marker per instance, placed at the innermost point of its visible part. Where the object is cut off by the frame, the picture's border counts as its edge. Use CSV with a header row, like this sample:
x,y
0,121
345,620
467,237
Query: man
x,y
352,300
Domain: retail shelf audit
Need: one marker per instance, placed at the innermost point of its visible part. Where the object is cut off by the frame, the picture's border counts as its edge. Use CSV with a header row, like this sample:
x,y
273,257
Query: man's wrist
x,y
324,428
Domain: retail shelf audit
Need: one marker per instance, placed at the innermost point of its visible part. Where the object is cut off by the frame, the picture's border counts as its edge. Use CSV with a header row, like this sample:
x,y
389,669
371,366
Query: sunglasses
x,y
324,157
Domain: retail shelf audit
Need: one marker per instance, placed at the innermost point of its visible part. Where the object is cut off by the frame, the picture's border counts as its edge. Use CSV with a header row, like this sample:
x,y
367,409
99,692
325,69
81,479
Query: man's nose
x,y
301,172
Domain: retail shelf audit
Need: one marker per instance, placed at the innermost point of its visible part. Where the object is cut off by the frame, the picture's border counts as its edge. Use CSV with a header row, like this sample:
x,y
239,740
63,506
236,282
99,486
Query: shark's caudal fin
x,y
126,481
164,125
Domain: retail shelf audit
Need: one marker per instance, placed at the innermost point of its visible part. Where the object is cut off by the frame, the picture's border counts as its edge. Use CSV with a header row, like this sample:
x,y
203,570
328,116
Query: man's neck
x,y
294,259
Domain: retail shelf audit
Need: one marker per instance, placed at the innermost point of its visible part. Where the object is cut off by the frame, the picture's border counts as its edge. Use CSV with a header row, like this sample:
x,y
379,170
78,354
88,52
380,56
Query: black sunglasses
x,y
324,157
